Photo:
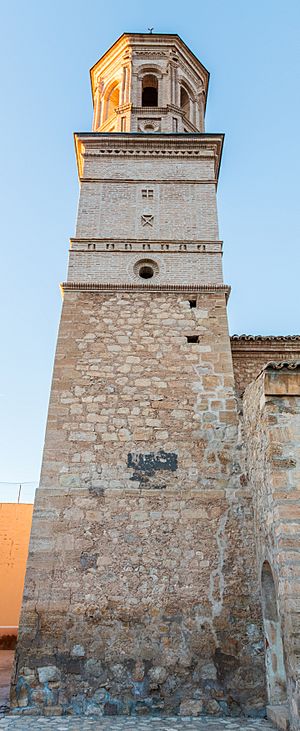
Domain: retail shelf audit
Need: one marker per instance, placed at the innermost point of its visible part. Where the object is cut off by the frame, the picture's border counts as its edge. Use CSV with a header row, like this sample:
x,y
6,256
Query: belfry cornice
x,y
141,144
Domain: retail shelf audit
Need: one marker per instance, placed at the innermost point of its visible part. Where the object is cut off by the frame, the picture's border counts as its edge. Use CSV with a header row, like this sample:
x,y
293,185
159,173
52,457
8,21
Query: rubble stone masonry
x,y
272,431
141,590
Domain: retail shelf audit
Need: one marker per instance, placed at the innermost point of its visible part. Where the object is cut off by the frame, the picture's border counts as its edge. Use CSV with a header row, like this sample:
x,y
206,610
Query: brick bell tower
x,y
141,591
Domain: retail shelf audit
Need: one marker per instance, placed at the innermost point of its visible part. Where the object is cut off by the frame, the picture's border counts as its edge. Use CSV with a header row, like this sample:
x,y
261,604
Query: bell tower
x,y
148,172
141,592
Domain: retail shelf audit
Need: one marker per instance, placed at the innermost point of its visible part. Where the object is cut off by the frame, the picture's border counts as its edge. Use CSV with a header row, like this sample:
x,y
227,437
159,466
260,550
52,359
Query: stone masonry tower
x,y
141,592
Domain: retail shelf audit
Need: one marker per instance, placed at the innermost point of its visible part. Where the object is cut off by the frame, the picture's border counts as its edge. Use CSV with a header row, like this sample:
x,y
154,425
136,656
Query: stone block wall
x,y
272,431
143,519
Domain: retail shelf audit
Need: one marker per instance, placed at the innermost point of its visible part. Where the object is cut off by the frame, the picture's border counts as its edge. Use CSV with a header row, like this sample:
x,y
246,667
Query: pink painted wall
x,y
15,525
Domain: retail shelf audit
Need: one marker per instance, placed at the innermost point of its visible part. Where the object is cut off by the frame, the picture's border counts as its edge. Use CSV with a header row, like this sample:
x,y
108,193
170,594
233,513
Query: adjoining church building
x,y
164,566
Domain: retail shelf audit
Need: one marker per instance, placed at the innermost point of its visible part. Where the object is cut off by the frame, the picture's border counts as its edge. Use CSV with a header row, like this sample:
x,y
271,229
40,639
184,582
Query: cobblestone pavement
x,y
36,723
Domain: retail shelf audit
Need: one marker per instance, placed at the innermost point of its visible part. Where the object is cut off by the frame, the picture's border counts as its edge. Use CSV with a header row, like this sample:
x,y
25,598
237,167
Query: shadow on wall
x,y
275,670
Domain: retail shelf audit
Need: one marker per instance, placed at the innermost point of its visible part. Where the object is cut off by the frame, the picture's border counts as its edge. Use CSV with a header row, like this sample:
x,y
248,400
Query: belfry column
x,y
123,86
128,82
97,106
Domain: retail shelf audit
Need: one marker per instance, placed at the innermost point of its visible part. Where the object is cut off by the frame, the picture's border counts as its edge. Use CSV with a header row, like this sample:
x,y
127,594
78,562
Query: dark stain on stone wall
x,y
146,465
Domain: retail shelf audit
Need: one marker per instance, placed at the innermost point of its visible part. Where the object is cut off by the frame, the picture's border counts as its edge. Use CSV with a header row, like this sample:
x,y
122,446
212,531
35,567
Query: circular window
x,y
146,271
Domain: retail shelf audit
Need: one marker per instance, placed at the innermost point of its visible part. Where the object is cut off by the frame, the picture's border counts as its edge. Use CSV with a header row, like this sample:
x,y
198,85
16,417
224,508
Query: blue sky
x,y
251,51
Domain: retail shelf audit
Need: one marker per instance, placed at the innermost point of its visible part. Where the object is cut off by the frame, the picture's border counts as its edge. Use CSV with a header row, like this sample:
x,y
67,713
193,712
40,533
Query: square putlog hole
x,y
192,338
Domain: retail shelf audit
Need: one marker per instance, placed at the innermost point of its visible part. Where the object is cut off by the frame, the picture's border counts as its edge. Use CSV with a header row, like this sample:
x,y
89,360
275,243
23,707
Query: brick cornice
x,y
156,145
259,345
263,338
149,181
132,287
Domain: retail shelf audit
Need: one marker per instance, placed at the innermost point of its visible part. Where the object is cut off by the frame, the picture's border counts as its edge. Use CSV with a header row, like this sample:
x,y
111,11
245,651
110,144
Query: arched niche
x,y
111,100
185,101
274,658
149,90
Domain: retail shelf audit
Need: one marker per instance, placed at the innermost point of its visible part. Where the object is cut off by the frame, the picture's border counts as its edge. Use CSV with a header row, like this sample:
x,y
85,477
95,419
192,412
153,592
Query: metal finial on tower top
x,y
150,30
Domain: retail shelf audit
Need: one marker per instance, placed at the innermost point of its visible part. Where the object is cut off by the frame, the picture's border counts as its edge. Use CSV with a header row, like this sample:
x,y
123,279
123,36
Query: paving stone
x,y
34,723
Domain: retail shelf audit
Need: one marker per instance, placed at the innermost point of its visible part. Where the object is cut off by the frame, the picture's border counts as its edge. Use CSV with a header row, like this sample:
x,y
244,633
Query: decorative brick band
x,y
125,240
128,181
95,287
